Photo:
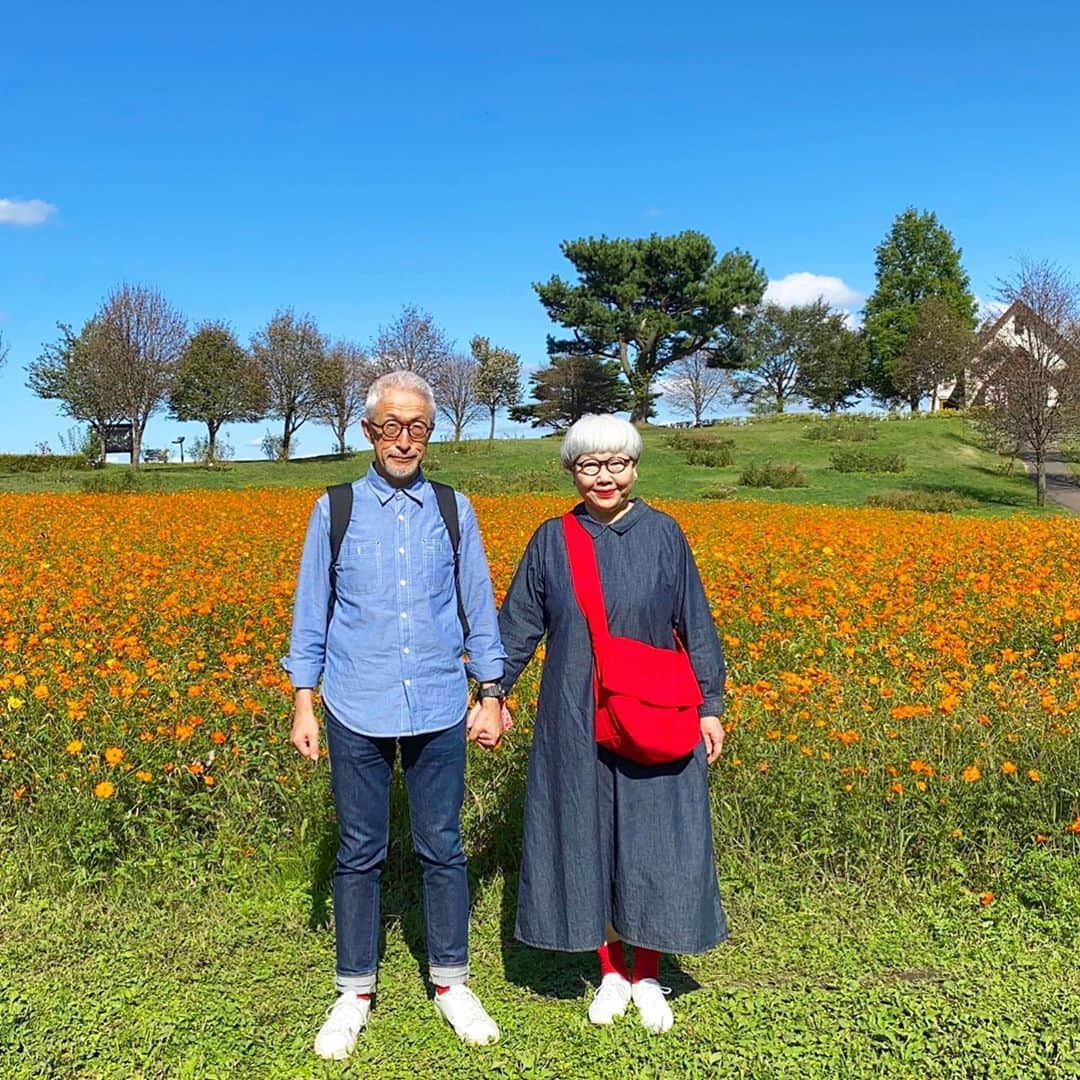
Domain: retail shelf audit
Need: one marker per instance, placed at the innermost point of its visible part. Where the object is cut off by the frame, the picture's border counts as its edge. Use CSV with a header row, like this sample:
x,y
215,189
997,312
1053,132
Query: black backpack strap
x,y
341,496
446,497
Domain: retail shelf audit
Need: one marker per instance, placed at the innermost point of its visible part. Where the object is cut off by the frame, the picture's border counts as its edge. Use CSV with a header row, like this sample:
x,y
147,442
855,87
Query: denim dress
x,y
607,840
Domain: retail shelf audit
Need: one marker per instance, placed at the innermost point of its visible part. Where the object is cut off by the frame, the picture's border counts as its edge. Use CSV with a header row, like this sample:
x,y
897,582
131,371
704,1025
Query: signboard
x,y
118,438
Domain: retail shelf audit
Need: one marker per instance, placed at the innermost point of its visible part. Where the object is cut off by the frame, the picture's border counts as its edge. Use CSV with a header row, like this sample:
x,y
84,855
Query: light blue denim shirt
x,y
391,659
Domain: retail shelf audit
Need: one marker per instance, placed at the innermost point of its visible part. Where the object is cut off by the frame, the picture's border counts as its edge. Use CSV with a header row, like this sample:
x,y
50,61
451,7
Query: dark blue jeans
x,y
360,772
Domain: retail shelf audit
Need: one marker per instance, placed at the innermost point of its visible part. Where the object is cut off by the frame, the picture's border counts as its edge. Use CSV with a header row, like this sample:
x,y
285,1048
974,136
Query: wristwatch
x,y
495,690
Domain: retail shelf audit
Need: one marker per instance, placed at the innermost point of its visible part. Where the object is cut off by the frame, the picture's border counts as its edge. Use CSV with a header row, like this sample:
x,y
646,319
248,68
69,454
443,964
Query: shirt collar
x,y
385,491
626,522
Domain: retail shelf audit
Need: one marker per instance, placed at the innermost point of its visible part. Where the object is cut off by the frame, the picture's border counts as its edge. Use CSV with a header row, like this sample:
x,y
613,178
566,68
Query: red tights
x,y
613,961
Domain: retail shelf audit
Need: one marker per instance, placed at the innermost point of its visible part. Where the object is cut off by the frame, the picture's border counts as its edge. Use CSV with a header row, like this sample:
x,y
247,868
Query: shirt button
x,y
404,614
406,650
408,682
402,581
401,517
401,551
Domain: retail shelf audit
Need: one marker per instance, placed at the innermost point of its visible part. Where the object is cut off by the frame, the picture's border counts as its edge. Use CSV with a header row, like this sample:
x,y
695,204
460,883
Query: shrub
x,y
720,491
773,475
842,429
34,463
929,502
527,482
860,461
118,482
717,456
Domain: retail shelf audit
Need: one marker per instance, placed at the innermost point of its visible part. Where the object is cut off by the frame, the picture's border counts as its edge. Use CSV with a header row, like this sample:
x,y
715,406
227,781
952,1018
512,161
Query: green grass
x,y
942,453
231,977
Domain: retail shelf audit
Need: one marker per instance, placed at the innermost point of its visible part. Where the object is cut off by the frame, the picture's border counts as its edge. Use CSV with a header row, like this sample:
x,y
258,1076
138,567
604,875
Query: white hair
x,y
594,434
398,380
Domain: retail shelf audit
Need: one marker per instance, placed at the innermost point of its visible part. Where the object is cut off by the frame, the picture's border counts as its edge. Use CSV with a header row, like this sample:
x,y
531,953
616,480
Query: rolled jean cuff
x,y
456,975
356,984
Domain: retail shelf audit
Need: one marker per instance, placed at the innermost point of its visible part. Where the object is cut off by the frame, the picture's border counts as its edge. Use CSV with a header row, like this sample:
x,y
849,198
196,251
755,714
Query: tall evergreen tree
x,y
917,259
570,387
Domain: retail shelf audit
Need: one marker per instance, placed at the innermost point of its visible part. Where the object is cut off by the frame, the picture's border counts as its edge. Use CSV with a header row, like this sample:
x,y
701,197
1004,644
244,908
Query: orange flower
x,y
104,790
1008,768
218,737
75,746
1034,776
114,755
145,776
971,774
986,899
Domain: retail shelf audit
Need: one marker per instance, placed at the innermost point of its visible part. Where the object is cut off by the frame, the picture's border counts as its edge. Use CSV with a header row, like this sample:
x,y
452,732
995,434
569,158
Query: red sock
x,y
612,961
646,964
441,990
364,997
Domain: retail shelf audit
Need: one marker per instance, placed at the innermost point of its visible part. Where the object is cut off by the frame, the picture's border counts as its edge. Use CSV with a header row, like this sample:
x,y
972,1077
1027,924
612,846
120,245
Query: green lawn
x,y
941,453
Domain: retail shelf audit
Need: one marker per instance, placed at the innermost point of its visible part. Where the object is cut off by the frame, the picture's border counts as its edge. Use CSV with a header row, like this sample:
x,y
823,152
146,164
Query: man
x,y
390,659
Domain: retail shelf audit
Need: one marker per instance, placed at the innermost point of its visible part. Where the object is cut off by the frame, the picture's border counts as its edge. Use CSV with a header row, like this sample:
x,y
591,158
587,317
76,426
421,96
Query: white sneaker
x,y
611,999
462,1010
655,1012
346,1018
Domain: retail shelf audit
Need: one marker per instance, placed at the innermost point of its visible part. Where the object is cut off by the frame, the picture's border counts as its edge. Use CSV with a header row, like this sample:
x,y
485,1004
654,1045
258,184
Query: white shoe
x,y
462,1010
611,999
655,1012
346,1018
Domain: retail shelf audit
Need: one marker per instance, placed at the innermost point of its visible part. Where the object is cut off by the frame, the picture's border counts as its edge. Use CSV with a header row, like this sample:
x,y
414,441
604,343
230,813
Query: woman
x,y
614,851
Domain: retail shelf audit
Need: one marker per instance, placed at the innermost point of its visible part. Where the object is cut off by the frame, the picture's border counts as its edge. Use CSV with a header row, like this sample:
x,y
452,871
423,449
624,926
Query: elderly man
x,y
385,625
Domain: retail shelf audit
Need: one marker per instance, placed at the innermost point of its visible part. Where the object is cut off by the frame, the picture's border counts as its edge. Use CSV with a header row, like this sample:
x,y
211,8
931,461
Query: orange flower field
x,y
901,686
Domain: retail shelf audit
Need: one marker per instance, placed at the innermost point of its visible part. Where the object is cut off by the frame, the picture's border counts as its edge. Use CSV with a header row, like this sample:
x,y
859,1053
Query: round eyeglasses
x,y
419,430
613,465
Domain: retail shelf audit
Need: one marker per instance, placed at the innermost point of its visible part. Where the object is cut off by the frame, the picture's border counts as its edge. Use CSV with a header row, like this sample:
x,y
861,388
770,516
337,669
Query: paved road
x,y
1062,485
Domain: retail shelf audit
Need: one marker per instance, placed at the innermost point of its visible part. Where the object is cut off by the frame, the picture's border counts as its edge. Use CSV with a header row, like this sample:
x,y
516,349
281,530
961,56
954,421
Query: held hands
x,y
487,721
712,732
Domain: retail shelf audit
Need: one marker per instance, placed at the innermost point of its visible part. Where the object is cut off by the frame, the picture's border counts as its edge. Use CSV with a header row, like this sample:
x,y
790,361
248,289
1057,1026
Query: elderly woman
x,y
614,851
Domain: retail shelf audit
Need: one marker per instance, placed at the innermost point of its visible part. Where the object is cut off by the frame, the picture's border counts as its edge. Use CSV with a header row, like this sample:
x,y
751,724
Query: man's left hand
x,y
485,723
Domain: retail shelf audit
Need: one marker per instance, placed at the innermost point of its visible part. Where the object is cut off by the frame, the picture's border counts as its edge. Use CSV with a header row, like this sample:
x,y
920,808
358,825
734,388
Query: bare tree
x,y
341,383
146,335
455,392
289,350
692,386
412,342
4,348
1030,371
934,352
498,377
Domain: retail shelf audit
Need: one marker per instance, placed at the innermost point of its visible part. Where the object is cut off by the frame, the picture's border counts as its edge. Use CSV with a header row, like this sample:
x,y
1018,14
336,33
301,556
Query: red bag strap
x,y
585,575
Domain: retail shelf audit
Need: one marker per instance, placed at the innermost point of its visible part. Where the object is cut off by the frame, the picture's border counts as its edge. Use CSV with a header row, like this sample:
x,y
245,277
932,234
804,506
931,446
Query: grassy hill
x,y
938,454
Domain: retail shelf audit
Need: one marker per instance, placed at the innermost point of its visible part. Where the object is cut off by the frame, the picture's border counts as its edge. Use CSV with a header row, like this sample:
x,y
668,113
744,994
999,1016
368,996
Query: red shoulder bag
x,y
646,698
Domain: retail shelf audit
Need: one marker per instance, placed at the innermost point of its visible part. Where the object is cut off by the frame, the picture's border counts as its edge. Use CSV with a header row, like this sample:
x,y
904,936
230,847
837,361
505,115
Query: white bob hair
x,y
600,434
399,380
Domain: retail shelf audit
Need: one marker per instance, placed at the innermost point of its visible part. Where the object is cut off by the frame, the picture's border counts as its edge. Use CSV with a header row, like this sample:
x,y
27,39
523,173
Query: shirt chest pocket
x,y
360,568
438,564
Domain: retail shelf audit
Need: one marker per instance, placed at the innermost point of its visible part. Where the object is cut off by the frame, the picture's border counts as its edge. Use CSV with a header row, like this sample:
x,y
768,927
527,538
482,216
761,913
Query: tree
x,y
289,350
455,391
692,385
3,349
935,352
570,387
342,379
412,342
76,371
776,345
1031,380
217,382
833,369
918,258
146,336
498,378
648,302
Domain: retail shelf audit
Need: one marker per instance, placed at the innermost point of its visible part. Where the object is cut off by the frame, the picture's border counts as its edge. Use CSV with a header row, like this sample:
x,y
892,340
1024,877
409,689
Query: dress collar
x,y
384,491
626,522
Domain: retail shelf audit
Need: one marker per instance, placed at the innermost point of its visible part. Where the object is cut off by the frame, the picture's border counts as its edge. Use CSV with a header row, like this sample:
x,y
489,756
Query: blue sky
x,y
347,159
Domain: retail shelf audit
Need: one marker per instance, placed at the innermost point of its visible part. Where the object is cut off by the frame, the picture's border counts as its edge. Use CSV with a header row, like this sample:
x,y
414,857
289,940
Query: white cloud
x,y
988,309
804,288
29,212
